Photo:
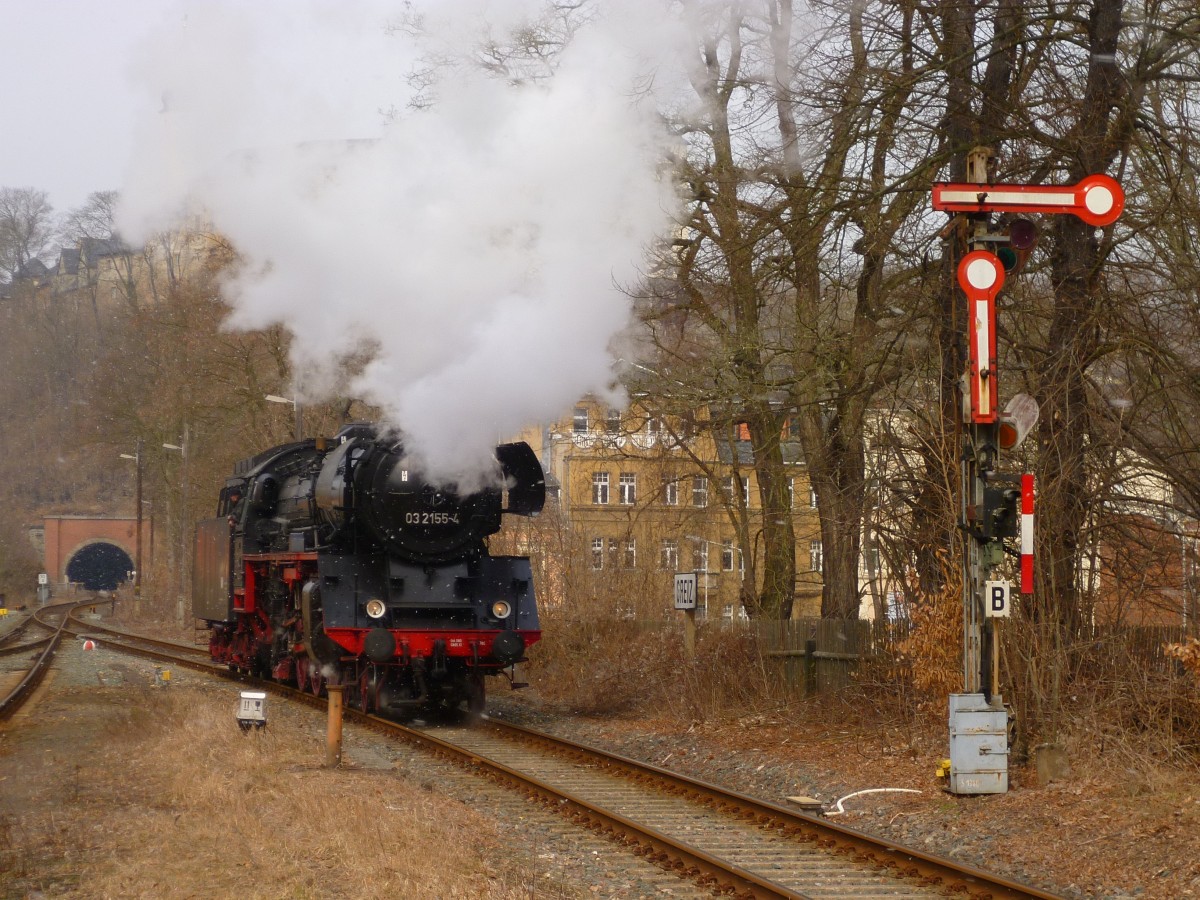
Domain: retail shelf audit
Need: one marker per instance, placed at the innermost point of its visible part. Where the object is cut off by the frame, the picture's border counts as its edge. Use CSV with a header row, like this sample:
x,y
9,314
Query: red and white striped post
x,y
1027,534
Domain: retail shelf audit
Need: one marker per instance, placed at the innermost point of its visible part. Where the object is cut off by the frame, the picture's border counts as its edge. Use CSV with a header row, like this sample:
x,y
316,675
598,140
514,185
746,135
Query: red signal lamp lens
x,y
1022,234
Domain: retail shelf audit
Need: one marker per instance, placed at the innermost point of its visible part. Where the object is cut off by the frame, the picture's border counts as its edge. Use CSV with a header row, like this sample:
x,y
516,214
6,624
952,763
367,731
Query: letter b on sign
x,y
995,600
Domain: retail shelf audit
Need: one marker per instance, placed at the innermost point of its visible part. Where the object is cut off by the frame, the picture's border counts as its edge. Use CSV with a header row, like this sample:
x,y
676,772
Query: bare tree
x,y
91,226
94,218
26,228
794,249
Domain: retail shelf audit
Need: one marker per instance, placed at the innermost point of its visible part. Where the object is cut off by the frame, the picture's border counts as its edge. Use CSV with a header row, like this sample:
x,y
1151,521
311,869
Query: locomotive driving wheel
x,y
301,671
365,698
308,676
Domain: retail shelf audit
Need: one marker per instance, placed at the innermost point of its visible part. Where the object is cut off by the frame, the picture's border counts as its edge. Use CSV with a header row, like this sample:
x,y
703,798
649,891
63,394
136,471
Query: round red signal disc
x,y
980,275
1099,200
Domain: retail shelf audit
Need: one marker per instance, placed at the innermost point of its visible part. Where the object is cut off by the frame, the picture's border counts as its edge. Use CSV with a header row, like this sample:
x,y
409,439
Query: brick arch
x,y
66,536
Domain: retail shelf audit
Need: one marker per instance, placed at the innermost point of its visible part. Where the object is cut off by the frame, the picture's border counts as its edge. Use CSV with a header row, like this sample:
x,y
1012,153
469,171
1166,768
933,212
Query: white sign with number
x,y
995,599
685,591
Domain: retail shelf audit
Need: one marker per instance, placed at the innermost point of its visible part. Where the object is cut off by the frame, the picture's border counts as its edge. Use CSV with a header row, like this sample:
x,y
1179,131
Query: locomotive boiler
x,y
333,561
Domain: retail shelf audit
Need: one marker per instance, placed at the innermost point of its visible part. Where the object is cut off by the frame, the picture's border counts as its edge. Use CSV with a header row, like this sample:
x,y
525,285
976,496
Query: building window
x,y
600,487
653,427
597,553
670,555
812,498
815,556
730,489
628,488
671,492
612,552
700,491
727,556
612,421
631,553
791,493
579,423
700,557
870,561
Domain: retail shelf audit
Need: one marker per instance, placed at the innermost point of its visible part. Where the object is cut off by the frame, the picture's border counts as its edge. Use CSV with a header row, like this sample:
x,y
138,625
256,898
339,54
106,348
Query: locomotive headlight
x,y
376,608
501,609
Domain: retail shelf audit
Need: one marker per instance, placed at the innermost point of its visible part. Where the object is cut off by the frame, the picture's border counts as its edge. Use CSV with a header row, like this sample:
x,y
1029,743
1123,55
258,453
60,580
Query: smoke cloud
x,y
477,246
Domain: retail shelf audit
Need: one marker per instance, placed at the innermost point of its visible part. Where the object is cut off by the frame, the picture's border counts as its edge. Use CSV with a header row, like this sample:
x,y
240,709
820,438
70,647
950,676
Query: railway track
x,y
65,619
715,839
54,620
728,841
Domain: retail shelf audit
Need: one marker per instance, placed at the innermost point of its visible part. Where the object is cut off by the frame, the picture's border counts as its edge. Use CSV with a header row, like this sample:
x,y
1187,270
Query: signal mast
x,y
996,507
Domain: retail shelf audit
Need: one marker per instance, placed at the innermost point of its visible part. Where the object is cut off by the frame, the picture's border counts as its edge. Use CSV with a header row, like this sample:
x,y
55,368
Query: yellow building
x,y
639,498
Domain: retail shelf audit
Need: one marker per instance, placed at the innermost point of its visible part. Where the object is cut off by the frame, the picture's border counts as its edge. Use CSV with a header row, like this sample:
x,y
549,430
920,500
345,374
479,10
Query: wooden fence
x,y
816,655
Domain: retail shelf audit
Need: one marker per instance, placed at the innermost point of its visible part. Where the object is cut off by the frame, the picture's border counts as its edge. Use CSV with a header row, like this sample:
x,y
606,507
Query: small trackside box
x,y
978,745
212,567
252,709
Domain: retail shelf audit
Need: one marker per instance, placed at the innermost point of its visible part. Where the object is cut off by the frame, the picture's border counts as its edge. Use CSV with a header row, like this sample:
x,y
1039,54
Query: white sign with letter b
x,y
995,599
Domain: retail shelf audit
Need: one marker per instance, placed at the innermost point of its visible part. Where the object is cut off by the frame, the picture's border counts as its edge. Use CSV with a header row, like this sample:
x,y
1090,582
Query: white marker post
x,y
685,599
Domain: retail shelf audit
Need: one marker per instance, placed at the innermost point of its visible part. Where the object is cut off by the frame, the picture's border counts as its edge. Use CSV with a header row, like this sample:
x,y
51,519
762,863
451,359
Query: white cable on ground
x,y
837,810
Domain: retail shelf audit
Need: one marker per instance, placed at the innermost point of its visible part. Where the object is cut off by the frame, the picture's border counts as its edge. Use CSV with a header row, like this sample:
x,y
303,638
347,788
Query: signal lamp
x,y
1008,258
501,609
1018,419
376,608
1022,234
1022,237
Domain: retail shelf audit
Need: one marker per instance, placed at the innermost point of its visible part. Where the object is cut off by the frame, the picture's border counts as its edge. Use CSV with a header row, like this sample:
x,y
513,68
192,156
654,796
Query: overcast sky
x,y
69,104
75,89
500,224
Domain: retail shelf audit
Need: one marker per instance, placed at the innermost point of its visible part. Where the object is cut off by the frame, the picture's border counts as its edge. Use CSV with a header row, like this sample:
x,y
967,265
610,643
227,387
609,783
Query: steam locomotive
x,y
333,561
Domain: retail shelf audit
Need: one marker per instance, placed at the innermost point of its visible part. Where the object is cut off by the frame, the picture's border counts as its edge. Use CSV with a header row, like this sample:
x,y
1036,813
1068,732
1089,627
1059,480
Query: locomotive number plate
x,y
430,518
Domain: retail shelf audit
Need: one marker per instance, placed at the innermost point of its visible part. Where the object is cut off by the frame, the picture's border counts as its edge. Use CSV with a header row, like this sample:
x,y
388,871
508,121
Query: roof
x,y
68,262
792,454
96,248
33,268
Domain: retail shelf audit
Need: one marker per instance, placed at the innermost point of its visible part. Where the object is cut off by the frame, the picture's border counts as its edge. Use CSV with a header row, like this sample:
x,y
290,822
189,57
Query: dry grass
x,y
220,814
595,662
637,666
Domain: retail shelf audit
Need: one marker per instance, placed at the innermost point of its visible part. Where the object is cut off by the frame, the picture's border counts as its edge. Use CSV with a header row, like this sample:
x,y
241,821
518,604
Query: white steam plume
x,y
477,245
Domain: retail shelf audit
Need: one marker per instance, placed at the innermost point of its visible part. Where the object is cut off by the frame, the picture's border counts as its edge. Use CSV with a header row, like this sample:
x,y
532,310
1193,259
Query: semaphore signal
x,y
1096,199
996,507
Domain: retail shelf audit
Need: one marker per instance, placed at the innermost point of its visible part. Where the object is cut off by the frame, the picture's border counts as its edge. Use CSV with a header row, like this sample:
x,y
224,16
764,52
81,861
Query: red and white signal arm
x,y
1096,199
981,275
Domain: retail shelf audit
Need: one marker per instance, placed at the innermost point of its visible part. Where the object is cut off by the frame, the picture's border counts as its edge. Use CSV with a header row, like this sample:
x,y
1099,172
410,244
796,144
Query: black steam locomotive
x,y
332,561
